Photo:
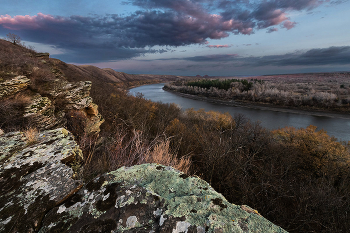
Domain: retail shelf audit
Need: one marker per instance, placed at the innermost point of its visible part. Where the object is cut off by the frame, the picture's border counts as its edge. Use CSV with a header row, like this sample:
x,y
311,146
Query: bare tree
x,y
14,39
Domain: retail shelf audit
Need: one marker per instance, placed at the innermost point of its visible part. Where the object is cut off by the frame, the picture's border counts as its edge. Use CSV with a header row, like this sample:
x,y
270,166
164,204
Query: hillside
x,y
20,60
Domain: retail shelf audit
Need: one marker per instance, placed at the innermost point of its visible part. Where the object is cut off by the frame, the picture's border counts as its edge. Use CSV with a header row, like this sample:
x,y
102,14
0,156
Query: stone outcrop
x,y
42,55
37,172
78,103
40,191
13,86
75,95
48,107
41,112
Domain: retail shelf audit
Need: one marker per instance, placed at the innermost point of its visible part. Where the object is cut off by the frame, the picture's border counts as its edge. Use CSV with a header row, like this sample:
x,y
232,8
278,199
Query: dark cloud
x,y
264,14
273,29
325,56
212,58
95,55
313,57
158,23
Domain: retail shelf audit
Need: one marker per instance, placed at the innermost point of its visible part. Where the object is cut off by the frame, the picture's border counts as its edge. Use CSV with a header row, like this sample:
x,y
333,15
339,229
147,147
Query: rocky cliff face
x,y
41,192
35,176
13,86
55,102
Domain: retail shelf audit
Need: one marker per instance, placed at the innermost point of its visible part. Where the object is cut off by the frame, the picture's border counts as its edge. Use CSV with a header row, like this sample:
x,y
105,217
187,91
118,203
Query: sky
x,y
187,37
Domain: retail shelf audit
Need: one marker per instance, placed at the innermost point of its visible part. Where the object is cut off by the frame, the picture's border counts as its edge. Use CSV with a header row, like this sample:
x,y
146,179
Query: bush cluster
x,y
220,84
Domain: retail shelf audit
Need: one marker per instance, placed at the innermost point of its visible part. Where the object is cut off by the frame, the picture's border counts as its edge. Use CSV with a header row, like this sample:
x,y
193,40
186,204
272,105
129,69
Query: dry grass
x,y
161,154
31,135
136,150
128,150
11,112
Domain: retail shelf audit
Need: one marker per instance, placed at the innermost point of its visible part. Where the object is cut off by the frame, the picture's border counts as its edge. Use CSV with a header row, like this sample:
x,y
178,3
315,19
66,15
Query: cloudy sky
x,y
187,37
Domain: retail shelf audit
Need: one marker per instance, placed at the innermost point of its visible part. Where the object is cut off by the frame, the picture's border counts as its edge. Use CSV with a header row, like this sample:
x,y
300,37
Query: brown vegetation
x,y
297,178
31,135
11,112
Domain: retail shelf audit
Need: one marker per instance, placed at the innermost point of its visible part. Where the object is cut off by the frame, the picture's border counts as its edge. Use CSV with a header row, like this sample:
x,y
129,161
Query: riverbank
x,y
266,107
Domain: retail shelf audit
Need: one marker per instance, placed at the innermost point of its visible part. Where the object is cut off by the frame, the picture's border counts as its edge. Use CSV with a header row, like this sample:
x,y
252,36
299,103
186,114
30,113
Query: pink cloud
x,y
27,22
246,31
219,46
278,17
288,24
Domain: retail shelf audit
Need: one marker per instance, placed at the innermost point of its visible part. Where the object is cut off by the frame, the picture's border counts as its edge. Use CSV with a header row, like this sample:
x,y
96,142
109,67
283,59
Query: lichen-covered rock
x,y
77,102
35,177
152,198
48,110
75,95
93,119
41,112
13,86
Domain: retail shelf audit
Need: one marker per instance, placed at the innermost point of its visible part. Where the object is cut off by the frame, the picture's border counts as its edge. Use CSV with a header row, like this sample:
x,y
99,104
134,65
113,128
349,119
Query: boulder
x,y
13,86
152,198
36,174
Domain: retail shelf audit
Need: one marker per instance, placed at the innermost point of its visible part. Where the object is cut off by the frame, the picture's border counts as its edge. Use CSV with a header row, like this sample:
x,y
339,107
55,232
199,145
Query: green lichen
x,y
33,177
65,132
191,198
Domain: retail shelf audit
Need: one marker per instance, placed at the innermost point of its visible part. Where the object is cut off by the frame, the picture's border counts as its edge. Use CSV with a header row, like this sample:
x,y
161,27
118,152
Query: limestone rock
x,y
35,177
13,86
42,55
152,198
77,104
92,110
41,112
94,119
75,95
85,121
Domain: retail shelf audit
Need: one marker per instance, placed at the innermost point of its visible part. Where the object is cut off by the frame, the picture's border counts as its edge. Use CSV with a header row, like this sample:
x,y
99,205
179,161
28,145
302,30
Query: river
x,y
335,126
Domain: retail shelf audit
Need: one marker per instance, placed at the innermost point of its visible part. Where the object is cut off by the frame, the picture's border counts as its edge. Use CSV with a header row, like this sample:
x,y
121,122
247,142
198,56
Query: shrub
x,y
11,112
31,135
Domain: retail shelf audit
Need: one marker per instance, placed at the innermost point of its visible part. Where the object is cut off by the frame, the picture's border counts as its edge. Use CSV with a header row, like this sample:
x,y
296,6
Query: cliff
x,y
54,104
